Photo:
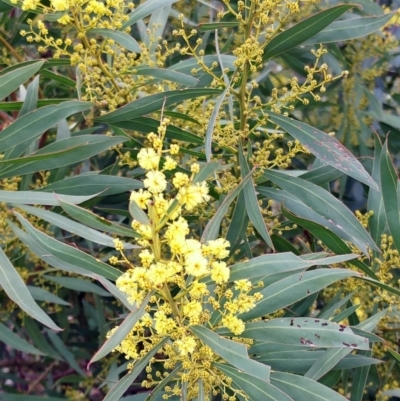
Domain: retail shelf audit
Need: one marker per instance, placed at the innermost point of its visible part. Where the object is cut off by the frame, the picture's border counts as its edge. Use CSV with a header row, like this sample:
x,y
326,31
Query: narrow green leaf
x,y
370,323
78,284
92,183
11,80
238,224
68,253
272,263
167,75
14,341
330,239
303,389
388,176
255,388
122,38
99,223
212,26
360,377
206,171
380,284
305,332
153,396
38,338
327,148
350,29
326,205
121,332
143,10
16,106
32,125
60,79
304,211
146,124
65,353
73,227
59,154
293,288
43,295
16,290
212,228
137,213
232,352
251,201
302,31
119,389
327,362
300,361
151,103
321,175
31,98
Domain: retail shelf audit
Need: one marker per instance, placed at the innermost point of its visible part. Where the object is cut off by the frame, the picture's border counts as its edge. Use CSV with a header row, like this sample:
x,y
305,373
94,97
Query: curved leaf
x,y
299,33
232,352
325,147
148,104
17,291
122,38
10,81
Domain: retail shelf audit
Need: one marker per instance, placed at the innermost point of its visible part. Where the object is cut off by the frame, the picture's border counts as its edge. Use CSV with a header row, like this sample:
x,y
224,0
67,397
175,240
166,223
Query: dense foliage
x,y
199,200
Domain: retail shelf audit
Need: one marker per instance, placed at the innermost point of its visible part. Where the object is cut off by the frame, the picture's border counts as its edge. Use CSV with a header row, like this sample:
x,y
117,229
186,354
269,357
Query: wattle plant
x,y
208,145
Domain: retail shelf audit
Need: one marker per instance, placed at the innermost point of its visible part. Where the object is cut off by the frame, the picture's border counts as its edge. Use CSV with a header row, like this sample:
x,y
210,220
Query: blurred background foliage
x,y
361,111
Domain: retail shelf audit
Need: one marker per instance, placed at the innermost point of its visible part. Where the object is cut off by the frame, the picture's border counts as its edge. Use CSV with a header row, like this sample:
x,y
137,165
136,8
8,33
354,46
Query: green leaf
x,y
380,284
349,29
59,154
38,339
11,80
212,26
360,376
255,388
122,331
16,106
388,177
212,228
31,98
161,385
16,290
60,79
146,124
32,125
326,205
206,171
251,201
327,362
122,38
327,148
90,184
330,239
272,263
78,284
305,332
73,227
302,31
143,10
238,224
43,295
65,353
304,211
232,352
300,361
119,388
321,175
167,75
293,288
68,253
137,213
304,389
99,223
151,103
14,341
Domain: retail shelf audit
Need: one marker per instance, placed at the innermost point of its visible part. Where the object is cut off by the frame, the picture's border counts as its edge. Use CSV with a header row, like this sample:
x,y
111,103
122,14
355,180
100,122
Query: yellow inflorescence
x,y
177,270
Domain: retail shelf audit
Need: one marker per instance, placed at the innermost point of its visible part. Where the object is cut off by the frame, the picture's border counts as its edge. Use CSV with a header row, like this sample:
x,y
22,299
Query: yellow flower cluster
x,y
177,270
